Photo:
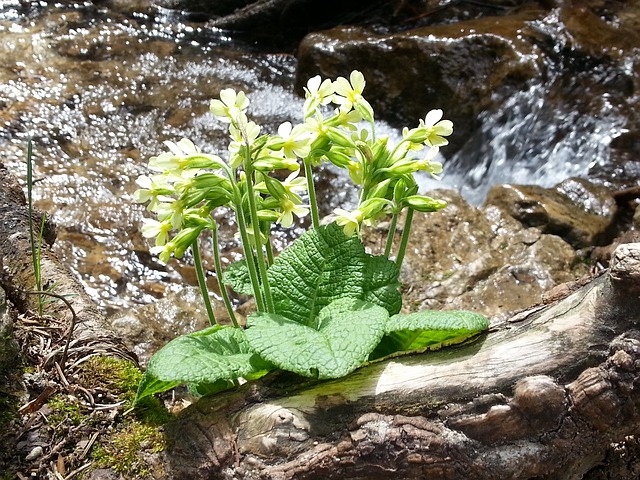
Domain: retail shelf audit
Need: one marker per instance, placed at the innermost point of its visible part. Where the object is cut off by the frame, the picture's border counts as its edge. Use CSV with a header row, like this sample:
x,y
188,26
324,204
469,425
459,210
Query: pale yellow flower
x,y
349,221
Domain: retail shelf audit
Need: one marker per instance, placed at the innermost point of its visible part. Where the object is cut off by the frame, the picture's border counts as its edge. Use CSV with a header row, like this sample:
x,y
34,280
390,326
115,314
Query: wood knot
x,y
537,406
539,396
625,267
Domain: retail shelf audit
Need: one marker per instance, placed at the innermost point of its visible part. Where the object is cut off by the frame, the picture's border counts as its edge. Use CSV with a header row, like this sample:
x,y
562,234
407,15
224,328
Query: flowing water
x,y
99,89
561,126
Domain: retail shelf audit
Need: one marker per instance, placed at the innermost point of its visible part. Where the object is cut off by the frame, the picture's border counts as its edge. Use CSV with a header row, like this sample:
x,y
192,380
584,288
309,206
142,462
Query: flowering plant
x,y
324,305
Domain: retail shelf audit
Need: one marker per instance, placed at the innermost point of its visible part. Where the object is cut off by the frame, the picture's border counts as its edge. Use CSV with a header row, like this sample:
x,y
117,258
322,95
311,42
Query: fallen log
x,y
552,393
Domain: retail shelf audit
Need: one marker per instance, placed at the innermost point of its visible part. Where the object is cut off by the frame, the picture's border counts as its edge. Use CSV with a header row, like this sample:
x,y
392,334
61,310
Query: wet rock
x,y
625,153
543,72
579,213
211,8
458,67
148,328
482,259
601,256
590,197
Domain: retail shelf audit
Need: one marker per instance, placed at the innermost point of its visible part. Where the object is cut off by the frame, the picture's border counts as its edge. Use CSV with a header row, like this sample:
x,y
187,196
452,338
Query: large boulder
x,y
574,67
456,67
577,211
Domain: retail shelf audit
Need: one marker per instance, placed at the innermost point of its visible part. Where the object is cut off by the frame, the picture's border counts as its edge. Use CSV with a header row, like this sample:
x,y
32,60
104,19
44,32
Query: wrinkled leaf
x,y
204,357
381,284
339,341
324,265
237,277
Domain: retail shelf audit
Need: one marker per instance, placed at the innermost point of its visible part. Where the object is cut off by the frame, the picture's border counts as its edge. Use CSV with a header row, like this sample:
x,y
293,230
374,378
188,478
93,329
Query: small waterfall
x,y
528,140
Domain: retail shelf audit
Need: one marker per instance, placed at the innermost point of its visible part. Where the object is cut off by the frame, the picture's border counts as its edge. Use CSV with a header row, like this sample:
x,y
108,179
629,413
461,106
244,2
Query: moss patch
x,y
135,435
124,450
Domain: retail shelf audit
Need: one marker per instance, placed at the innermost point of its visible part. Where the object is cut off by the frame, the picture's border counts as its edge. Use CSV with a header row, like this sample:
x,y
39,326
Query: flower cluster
x,y
189,184
384,173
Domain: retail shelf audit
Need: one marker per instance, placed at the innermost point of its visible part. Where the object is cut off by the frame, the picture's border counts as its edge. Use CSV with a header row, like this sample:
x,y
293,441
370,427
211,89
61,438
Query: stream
x,y
99,88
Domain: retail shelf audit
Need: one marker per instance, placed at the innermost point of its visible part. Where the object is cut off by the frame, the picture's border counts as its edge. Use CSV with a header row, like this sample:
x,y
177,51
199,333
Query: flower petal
x,y
432,117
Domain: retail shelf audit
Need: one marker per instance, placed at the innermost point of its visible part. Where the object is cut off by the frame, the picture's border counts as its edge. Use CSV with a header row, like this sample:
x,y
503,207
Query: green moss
x,y
121,378
136,431
113,374
64,410
122,450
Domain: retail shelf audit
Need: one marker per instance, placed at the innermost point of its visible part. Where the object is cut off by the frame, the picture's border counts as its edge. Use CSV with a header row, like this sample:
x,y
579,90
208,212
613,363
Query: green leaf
x,y
381,283
202,389
237,277
341,339
204,357
429,330
325,265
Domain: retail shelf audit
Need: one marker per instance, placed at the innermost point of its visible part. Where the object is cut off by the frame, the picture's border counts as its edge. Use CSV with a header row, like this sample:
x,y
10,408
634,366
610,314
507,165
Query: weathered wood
x,y
91,330
543,395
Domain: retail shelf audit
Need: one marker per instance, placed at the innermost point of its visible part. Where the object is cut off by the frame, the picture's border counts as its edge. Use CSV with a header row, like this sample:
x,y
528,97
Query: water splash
x,y
531,141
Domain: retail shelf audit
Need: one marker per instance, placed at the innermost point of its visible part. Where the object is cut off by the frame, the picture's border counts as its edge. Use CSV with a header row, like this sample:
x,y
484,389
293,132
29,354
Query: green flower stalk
x,y
218,265
202,282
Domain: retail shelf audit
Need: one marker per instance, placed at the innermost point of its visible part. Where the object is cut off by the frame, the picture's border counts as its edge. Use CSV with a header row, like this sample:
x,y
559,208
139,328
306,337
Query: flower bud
x,y
339,159
380,191
275,188
423,203
370,208
184,239
268,216
364,109
365,150
210,180
202,161
268,164
403,167
339,138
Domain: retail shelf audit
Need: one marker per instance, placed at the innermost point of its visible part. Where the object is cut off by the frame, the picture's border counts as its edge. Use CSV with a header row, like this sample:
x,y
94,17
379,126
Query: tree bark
x,y
552,393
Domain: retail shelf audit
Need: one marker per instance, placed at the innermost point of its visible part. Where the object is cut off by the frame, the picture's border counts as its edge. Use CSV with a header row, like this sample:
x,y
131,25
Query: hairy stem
x,y
315,218
202,282
248,250
269,249
218,265
406,231
257,234
391,235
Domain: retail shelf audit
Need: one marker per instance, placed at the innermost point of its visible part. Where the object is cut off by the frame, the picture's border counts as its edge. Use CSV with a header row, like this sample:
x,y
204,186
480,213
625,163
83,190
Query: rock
x,y
601,256
574,211
208,7
543,72
458,67
483,260
104,474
